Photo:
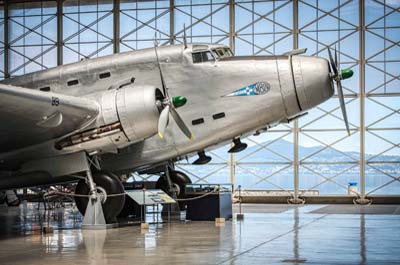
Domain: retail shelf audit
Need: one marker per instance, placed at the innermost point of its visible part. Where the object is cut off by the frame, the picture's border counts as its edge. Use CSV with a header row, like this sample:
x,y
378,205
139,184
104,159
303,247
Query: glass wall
x,y
329,159
141,22
325,159
265,28
382,103
1,43
32,37
87,29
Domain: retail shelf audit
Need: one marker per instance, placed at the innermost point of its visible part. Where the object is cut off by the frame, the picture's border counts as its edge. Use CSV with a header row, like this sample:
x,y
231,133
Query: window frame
x,y
202,61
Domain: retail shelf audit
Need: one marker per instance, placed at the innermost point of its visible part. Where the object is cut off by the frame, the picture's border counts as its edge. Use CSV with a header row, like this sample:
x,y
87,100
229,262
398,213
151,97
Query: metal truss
x,y
251,8
312,30
256,28
217,167
187,13
19,44
150,23
2,21
90,32
379,28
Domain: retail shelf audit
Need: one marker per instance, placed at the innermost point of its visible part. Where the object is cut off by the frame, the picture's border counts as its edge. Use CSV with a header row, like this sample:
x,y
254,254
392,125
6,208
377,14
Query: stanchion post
x,y
240,200
144,205
169,213
240,215
144,225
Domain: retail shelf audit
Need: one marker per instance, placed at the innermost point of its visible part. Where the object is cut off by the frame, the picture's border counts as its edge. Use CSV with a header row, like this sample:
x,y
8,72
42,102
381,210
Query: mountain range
x,y
272,169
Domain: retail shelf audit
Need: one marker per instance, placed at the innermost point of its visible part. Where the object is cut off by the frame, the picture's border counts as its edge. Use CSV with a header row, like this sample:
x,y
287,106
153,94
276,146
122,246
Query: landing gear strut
x,y
178,182
99,187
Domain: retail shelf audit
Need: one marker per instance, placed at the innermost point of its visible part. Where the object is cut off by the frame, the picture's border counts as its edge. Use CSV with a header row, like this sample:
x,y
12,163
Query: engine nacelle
x,y
128,115
137,111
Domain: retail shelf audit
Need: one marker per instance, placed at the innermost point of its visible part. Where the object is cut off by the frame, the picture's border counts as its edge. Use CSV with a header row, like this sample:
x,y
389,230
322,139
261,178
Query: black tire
x,y
3,197
179,179
14,202
112,185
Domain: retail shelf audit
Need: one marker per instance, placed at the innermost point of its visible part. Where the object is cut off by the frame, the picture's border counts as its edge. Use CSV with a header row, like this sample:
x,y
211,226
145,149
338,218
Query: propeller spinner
x,y
169,106
339,75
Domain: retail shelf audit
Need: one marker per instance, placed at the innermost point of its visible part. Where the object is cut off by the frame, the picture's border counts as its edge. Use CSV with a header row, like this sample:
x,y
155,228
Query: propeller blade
x,y
342,105
163,121
181,124
164,87
336,59
333,64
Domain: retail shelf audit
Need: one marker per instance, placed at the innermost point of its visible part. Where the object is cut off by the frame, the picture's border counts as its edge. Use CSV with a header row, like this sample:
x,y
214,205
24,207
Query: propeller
x,y
169,106
339,75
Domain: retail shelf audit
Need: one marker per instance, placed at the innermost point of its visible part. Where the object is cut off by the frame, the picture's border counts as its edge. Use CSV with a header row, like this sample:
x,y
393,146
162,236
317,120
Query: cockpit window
x,y
222,52
228,52
200,57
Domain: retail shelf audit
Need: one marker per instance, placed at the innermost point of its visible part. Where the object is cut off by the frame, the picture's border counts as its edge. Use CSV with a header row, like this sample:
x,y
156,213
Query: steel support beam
x,y
361,29
116,21
232,25
60,32
232,160
171,22
296,163
6,43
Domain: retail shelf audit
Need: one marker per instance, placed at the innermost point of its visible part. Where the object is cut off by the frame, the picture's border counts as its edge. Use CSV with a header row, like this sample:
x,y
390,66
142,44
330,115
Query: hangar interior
x,y
310,160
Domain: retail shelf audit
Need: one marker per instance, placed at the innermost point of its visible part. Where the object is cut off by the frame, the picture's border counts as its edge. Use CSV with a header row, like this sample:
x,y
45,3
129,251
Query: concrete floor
x,y
269,234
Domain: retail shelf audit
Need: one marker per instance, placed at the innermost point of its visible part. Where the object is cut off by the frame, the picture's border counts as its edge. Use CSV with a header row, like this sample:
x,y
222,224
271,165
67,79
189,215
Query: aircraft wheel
x,y
179,180
106,183
12,199
3,197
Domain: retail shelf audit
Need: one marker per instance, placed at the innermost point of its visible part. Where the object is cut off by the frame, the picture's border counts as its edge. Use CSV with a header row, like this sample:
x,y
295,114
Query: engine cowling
x,y
137,111
128,115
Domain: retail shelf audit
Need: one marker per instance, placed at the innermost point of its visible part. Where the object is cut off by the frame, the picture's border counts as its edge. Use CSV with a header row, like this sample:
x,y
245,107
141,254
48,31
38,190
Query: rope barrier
x,y
123,194
198,197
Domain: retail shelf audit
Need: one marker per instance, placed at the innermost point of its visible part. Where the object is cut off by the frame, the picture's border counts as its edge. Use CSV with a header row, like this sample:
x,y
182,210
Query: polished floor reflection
x,y
269,234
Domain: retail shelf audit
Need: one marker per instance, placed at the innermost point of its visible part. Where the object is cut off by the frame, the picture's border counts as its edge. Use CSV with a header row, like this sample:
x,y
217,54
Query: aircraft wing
x,y
30,116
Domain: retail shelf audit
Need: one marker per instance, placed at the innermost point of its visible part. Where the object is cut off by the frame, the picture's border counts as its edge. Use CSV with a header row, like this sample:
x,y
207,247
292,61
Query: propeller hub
x,y
170,107
179,101
346,73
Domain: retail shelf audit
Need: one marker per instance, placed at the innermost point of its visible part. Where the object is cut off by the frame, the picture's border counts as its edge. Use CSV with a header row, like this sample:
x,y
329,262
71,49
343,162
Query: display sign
x,y
150,197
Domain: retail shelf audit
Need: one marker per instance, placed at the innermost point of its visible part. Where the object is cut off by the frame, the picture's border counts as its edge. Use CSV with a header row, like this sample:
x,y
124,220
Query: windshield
x,y
200,57
222,52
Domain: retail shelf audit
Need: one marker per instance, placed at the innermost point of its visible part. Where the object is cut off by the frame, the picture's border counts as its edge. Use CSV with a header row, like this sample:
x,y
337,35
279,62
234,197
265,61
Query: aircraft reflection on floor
x,y
269,233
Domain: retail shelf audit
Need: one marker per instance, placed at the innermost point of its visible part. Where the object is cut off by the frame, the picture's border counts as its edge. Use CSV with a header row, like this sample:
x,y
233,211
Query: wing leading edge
x,y
30,116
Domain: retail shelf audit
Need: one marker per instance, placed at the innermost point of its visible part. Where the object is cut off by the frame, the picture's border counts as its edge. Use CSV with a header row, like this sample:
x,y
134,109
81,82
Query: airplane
x,y
95,120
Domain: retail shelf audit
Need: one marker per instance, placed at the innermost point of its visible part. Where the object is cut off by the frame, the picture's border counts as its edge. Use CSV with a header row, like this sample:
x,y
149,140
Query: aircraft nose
x,y
314,85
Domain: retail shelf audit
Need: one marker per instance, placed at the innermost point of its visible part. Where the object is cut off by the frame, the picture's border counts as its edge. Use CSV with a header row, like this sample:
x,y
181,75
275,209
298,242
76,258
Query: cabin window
x,y
73,82
105,75
201,57
198,121
46,89
219,115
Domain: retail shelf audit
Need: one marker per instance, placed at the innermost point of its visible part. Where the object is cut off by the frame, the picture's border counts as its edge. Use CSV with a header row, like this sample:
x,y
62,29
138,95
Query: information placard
x,y
150,197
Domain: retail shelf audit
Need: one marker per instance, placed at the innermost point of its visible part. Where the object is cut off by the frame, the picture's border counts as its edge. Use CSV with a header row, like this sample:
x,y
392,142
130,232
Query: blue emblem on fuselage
x,y
259,88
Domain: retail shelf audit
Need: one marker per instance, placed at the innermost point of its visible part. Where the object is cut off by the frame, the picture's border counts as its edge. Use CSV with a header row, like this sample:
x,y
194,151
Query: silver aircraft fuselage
x,y
294,84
